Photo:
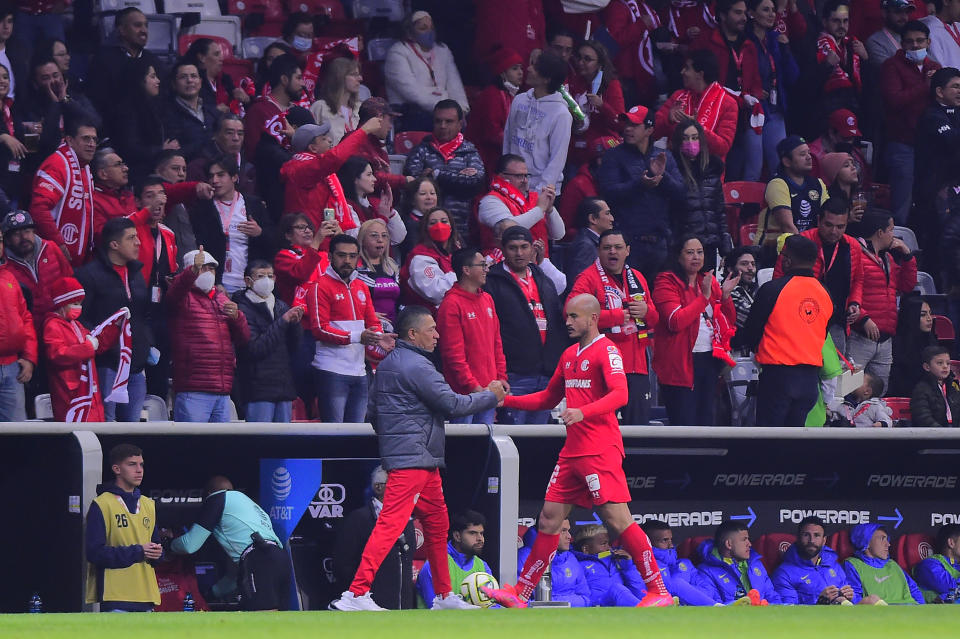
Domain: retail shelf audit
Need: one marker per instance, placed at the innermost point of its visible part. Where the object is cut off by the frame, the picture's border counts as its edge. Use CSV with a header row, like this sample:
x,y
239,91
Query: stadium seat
x,y
688,548
737,196
106,10
907,236
764,275
841,544
377,49
912,548
925,283
405,142
162,35
390,9
943,327
332,9
43,407
206,8
156,409
247,7
900,407
748,234
187,39
253,48
227,27
237,69
772,547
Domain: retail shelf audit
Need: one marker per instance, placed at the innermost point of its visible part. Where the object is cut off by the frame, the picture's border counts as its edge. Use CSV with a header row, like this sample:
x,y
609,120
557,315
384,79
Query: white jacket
x,y
408,77
539,132
338,124
943,48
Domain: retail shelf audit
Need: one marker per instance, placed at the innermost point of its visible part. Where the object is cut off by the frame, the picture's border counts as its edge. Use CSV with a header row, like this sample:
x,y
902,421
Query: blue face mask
x,y
302,44
917,57
426,39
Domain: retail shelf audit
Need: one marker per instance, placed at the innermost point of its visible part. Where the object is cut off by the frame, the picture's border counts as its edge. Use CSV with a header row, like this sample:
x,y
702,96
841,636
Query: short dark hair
x,y
225,162
703,61
463,520
589,206
7,9
725,530
506,159
164,157
515,233
123,451
181,62
75,118
114,230
283,65
150,180
343,238
610,232
940,79
461,258
930,352
560,31
873,221
916,25
653,525
836,205
802,250
551,67
946,533
811,520
734,256
293,20
410,318
123,13
724,6
254,265
226,117
832,5
673,262
449,104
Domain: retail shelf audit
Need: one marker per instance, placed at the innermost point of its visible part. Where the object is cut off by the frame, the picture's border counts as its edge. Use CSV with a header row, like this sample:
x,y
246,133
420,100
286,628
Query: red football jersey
x,y
593,381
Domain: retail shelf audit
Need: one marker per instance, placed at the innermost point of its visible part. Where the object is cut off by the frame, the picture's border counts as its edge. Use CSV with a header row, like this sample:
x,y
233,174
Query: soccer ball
x,y
470,588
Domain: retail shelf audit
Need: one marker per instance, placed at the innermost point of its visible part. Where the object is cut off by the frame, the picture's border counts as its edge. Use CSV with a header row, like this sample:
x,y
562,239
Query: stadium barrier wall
x,y
692,477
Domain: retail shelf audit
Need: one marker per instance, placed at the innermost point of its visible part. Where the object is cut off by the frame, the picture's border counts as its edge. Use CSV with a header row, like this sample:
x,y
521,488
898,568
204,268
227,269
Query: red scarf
x,y
82,401
118,393
707,111
845,75
447,149
338,202
637,9
517,204
614,298
74,213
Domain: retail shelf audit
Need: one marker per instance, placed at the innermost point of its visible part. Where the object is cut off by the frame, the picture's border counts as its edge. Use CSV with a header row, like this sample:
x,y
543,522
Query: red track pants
x,y
410,490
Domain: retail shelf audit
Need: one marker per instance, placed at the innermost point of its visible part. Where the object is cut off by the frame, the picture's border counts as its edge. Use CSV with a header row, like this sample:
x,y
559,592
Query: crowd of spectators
x,y
237,237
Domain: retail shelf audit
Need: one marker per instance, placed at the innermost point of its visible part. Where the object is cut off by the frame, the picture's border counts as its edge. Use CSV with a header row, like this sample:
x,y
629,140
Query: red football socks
x,y
635,542
544,547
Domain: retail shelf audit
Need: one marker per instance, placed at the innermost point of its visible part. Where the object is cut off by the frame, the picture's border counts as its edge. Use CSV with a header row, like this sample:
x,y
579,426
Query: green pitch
x,y
834,622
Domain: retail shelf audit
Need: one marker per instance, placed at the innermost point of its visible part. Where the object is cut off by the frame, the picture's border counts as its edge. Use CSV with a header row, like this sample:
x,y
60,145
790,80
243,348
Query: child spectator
x,y
936,397
868,410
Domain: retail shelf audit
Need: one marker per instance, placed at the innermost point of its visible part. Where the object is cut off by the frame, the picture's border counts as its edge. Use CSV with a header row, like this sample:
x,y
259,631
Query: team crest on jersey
x,y
584,365
146,522
814,195
362,296
756,571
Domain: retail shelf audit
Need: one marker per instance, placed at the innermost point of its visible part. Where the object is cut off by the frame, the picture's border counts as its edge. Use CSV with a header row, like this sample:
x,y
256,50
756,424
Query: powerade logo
x,y
280,483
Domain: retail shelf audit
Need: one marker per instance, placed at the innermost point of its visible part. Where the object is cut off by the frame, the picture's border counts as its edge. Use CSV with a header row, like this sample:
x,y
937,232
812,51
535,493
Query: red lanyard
x,y
227,213
836,251
433,78
773,63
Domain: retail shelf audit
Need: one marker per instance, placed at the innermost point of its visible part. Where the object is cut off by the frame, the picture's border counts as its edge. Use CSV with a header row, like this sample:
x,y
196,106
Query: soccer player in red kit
x,y
589,472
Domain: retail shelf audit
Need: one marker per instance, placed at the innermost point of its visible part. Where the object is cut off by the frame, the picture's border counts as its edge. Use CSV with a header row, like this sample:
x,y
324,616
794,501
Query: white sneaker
x,y
348,602
452,602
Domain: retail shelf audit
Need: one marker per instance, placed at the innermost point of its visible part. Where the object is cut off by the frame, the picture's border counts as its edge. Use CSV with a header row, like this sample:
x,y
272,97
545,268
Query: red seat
x,y
187,39
688,548
748,234
913,548
521,531
900,407
773,546
405,142
333,9
237,69
841,544
943,327
247,7
744,193
420,552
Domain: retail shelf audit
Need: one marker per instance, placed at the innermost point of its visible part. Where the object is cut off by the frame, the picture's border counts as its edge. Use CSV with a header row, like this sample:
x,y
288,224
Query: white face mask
x,y
917,57
205,281
263,287
301,43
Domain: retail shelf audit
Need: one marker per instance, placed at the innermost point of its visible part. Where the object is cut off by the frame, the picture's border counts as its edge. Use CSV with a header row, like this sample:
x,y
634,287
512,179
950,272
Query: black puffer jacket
x,y
263,365
702,211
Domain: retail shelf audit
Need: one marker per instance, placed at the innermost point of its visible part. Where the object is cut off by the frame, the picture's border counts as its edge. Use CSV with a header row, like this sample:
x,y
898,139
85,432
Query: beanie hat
x,y
861,534
66,291
788,144
830,165
502,59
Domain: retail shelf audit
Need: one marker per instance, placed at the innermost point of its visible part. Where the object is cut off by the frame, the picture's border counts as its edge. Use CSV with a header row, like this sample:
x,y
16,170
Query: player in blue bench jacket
x,y
731,568
873,574
613,578
810,572
677,573
567,579
939,576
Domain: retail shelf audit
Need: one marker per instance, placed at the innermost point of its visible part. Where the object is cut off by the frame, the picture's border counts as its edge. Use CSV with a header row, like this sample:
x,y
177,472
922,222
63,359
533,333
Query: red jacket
x,y
627,33
613,317
581,186
338,313
375,152
70,359
18,337
750,81
296,266
603,121
880,289
51,265
148,246
203,337
719,140
680,307
512,24
856,266
108,203
906,95
488,118
306,174
49,200
470,343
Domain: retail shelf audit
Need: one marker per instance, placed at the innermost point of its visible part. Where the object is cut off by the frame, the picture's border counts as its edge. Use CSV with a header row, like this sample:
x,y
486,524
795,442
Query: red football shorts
x,y
590,480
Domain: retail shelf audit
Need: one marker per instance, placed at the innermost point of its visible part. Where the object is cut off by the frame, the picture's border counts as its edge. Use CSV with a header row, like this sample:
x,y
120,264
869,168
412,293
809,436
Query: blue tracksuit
x,y
721,580
799,581
613,581
425,579
854,577
677,574
931,575
568,582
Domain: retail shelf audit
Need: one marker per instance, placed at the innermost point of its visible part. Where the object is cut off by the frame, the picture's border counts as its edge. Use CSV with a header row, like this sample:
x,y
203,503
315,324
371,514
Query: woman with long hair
x,y
600,96
12,149
216,86
141,134
842,176
338,97
423,194
359,184
702,213
378,270
697,320
915,332
492,106
428,274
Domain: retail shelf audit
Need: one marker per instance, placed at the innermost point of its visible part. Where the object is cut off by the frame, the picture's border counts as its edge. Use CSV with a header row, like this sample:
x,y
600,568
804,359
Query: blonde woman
x,y
338,101
377,269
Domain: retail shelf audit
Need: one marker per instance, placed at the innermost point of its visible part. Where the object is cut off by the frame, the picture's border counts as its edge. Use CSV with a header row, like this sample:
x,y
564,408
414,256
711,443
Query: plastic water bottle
x,y
575,109
544,587
188,603
36,605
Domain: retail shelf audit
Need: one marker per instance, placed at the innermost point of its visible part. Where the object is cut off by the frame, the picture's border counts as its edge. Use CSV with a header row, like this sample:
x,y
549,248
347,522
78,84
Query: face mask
x,y
440,232
425,39
73,311
263,287
690,148
205,281
917,56
302,44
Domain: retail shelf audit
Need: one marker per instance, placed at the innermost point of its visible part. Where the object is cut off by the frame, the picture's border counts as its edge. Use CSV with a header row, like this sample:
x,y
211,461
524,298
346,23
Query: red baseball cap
x,y
845,123
637,115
